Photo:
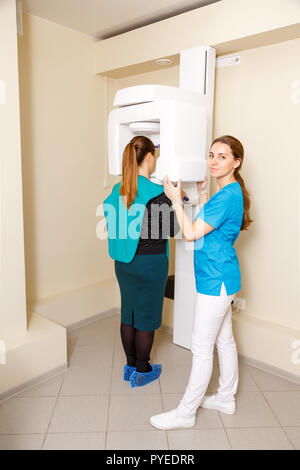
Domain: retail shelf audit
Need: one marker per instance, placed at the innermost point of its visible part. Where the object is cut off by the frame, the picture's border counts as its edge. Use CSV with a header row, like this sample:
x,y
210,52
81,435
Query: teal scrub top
x,y
215,259
124,226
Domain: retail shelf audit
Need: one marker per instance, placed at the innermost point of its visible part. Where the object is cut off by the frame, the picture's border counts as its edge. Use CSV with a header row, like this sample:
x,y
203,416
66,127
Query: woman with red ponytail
x,y
139,221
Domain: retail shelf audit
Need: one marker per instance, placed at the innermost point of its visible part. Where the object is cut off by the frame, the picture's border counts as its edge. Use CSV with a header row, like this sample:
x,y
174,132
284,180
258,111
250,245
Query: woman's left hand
x,y
172,192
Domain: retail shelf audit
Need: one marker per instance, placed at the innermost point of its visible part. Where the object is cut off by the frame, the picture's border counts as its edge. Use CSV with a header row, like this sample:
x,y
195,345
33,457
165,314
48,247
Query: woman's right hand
x,y
202,185
172,192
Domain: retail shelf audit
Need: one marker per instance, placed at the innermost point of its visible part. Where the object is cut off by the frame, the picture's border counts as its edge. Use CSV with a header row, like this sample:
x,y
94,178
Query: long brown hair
x,y
237,151
133,156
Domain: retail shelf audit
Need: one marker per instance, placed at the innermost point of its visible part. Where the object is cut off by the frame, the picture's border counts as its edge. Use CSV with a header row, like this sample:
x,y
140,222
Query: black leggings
x,y
137,345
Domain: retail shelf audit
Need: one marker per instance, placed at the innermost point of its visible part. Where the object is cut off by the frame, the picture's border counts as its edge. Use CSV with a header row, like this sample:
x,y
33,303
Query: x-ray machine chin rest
x,y
179,122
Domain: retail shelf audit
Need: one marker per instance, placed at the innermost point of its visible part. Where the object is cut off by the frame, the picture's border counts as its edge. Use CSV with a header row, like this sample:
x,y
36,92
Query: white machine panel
x,y
179,122
180,131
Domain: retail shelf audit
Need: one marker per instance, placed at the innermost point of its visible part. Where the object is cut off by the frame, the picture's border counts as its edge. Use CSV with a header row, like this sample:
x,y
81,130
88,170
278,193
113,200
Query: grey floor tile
x,y
293,434
95,355
119,358
138,440
271,383
86,380
174,378
75,441
200,439
286,406
26,415
90,406
21,441
95,335
48,388
132,413
259,439
80,414
251,411
167,353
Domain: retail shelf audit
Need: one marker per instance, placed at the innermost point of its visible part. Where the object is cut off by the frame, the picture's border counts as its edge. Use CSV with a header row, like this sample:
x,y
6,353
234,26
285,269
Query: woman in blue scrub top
x,y
218,279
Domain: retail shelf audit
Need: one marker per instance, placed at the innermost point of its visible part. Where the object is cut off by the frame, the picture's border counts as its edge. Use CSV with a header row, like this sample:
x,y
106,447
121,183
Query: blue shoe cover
x,y
128,370
139,379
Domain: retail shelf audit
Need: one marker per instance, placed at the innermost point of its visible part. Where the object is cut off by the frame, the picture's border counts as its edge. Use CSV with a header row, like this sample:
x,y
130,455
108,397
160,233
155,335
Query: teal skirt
x,y
142,285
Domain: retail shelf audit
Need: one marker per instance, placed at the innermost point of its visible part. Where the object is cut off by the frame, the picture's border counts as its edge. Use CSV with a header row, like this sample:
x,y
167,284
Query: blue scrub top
x,y
215,259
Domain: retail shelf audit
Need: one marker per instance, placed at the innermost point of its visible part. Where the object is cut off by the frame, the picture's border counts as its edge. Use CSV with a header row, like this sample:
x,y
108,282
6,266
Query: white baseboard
x,y
59,370
35,356
255,363
31,383
270,369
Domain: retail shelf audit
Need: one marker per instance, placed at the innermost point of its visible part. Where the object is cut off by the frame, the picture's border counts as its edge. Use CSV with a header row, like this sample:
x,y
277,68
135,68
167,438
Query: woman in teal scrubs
x,y
218,279
139,221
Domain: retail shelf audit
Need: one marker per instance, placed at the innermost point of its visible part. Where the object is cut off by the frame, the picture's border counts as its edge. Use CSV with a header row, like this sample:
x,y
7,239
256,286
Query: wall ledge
x,y
228,26
78,305
42,350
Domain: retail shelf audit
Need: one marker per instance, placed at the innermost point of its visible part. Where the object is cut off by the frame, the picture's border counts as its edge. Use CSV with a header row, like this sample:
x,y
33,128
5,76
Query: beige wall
x,y
63,131
229,26
63,127
12,266
63,140
36,346
253,101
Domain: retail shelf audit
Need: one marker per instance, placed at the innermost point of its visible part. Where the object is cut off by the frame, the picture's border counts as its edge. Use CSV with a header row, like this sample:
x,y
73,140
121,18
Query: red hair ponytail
x,y
133,156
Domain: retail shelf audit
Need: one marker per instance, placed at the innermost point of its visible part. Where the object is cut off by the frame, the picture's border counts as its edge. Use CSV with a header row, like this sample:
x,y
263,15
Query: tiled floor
x,y
91,407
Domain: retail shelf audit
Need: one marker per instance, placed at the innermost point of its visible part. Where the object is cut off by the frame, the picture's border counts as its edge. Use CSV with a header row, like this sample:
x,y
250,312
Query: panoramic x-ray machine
x,y
179,122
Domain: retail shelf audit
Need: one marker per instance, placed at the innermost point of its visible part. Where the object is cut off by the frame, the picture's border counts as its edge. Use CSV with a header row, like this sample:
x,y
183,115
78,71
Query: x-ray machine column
x,y
197,73
179,122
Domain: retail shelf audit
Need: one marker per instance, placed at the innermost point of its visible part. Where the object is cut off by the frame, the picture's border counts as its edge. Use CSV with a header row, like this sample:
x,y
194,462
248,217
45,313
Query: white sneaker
x,y
171,420
211,402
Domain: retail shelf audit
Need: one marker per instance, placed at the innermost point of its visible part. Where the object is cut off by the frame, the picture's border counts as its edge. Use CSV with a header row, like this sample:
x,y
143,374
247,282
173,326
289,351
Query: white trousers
x,y
212,324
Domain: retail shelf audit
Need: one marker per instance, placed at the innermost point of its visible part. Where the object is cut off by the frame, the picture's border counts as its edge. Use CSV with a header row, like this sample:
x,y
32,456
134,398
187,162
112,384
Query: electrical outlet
x,y
106,183
238,302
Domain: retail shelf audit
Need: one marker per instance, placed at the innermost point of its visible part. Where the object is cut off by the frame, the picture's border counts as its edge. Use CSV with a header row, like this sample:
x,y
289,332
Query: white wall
x,y
63,133
12,268
63,128
258,103
253,101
